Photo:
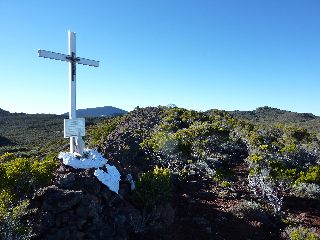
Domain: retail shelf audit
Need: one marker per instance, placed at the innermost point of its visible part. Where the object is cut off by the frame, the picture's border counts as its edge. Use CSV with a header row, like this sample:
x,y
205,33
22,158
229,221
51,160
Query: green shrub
x,y
312,176
225,184
161,142
255,139
184,140
6,201
16,177
255,158
21,176
42,171
299,134
301,233
280,171
264,147
289,149
154,187
7,157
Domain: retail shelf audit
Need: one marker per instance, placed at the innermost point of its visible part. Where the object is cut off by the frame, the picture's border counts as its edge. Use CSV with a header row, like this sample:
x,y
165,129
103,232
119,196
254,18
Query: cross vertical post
x,y
72,82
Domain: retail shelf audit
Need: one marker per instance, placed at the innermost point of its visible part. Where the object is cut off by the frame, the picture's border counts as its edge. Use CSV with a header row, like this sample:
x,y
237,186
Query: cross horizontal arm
x,y
53,55
89,62
66,58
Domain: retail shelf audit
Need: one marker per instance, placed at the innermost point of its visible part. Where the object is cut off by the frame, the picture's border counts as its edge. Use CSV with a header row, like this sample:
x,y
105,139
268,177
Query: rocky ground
x,y
78,206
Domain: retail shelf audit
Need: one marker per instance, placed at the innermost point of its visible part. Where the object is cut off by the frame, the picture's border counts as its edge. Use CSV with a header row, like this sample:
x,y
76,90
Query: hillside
x,y
31,133
106,111
197,176
268,115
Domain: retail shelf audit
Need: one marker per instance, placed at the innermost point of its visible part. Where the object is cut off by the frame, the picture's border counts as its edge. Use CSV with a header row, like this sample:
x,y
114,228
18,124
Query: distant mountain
x,y
4,112
99,112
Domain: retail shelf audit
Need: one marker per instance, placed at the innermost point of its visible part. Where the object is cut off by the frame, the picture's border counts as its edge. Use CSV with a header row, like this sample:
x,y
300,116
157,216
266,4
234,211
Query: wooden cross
x,y
73,60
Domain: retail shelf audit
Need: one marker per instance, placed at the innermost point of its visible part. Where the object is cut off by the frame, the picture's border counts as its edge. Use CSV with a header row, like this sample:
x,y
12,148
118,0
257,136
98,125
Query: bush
x,y
300,233
299,134
21,176
312,176
251,211
264,187
289,149
255,158
16,177
6,200
42,171
154,187
12,225
306,190
7,157
161,142
225,184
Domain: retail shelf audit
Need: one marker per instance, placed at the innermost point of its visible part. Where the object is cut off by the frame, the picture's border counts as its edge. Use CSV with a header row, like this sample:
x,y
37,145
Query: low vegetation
x,y
251,165
19,179
154,187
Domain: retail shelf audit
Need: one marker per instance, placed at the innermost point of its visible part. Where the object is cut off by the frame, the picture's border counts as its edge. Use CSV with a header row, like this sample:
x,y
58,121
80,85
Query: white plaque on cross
x,y
74,127
73,60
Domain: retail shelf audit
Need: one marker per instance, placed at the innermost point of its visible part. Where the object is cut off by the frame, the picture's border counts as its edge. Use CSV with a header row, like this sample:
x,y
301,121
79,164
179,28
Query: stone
x,y
58,200
66,181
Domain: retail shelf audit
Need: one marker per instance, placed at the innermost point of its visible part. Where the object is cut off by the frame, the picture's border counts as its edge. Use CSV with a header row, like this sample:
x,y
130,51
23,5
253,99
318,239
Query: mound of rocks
x,y
122,144
78,206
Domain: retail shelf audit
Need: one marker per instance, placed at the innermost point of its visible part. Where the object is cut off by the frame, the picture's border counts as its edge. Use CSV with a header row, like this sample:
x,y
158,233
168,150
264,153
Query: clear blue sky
x,y
204,54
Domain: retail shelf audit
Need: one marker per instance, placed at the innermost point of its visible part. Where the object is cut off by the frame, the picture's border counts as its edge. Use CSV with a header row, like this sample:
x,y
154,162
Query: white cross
x,y
72,59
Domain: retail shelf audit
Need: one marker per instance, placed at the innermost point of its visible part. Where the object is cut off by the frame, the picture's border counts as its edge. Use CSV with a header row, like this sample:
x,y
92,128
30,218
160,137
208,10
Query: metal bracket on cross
x,y
75,134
